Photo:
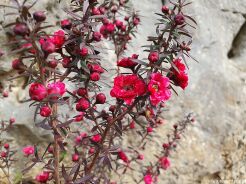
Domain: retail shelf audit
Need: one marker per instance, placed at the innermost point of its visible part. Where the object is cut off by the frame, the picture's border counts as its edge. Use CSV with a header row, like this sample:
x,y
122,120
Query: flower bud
x,y
92,150
17,64
84,52
165,9
48,47
39,16
82,105
96,138
179,19
21,29
12,120
66,24
153,57
149,129
3,154
97,36
53,63
132,125
37,91
5,94
82,92
45,111
140,156
75,157
95,11
6,146
100,98
66,62
95,76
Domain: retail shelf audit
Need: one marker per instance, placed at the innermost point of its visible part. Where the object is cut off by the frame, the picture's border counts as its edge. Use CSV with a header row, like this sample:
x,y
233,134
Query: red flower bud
x,y
45,111
179,19
75,157
82,104
5,94
17,64
132,125
149,130
12,120
140,156
37,91
66,24
66,61
6,146
48,46
21,29
96,138
153,57
39,16
165,9
100,98
97,36
92,150
53,63
95,11
84,52
95,76
82,92
3,154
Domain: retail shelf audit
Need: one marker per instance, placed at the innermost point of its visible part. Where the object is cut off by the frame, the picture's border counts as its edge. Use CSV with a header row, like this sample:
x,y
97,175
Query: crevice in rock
x,y
237,42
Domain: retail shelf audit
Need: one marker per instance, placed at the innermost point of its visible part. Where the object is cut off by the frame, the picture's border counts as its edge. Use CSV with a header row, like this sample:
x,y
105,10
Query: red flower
x,y
37,91
179,78
158,88
59,38
128,87
123,156
43,177
164,162
56,88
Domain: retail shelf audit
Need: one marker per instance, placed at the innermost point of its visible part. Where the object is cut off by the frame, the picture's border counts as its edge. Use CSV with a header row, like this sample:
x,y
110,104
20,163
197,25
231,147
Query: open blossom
x,y
58,38
159,88
148,179
37,91
128,87
28,150
42,177
56,88
180,78
164,162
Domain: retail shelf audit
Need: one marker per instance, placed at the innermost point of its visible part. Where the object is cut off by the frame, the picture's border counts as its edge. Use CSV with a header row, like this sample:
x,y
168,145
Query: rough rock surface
x,y
215,147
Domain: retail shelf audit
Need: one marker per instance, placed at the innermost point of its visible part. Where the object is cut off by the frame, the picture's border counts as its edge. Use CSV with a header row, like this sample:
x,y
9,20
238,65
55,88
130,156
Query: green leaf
x,y
62,156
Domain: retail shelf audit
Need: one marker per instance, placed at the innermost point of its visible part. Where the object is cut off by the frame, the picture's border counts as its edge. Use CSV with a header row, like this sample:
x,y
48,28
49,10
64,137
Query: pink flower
x,y
179,78
56,88
128,87
148,179
43,177
28,150
159,88
37,91
164,162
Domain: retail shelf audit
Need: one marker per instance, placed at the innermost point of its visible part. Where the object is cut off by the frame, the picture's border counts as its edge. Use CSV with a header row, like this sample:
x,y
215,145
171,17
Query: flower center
x,y
128,87
155,87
